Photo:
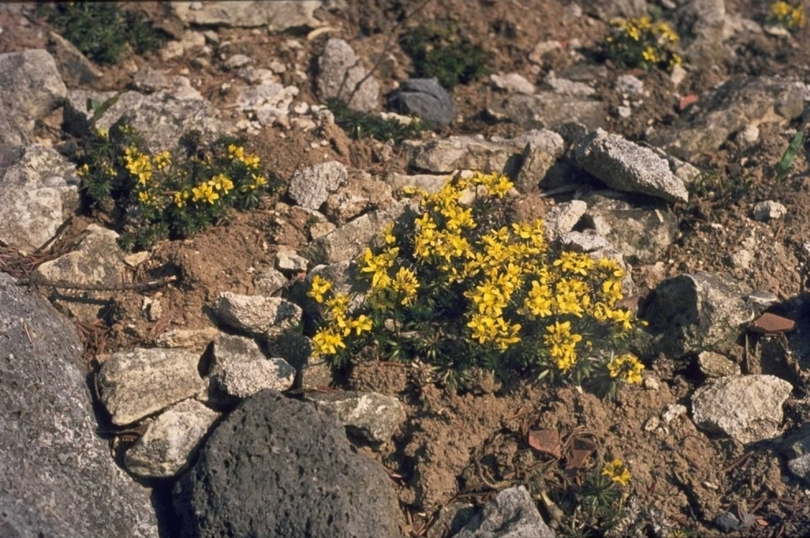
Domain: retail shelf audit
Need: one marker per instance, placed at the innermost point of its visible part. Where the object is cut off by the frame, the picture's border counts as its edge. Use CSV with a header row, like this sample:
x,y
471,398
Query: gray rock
x,y
511,514
797,449
276,467
427,99
195,340
585,241
716,365
140,382
243,379
360,194
269,101
428,182
169,442
310,187
341,74
543,148
606,10
698,312
705,20
74,67
464,152
269,281
58,477
348,241
39,191
629,85
641,231
256,314
570,88
290,262
769,210
374,416
30,89
626,166
513,83
728,109
229,349
276,16
549,110
747,408
562,218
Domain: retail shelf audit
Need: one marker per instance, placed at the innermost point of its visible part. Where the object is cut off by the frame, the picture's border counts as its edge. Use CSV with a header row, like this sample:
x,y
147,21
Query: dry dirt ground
x,y
463,447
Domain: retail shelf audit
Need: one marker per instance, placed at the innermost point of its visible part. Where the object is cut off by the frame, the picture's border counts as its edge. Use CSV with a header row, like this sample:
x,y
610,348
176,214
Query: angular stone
x,y
341,74
628,167
229,349
74,67
276,16
747,408
359,195
705,20
30,89
562,218
169,442
374,416
769,210
311,186
427,99
277,467
243,379
58,478
464,152
256,314
511,514
769,323
348,241
716,365
606,11
429,182
195,340
698,312
587,241
38,192
290,262
549,110
97,260
513,82
137,383
570,88
543,148
642,230
269,281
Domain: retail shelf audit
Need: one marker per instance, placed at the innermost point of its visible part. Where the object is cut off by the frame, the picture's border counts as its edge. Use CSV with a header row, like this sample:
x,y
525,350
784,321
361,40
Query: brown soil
x,y
464,447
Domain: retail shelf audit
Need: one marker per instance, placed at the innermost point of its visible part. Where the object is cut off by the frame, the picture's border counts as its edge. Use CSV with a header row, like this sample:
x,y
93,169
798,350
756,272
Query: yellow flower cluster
x,y
639,42
786,15
330,338
237,153
209,191
626,367
511,286
617,471
138,164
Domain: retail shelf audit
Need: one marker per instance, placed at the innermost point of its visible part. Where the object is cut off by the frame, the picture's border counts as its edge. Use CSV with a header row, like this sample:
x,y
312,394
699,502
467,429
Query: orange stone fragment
x,y
772,324
547,441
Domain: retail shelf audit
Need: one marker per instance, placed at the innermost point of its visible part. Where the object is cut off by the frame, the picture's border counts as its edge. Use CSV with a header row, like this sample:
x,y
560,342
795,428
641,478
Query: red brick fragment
x,y
772,324
547,441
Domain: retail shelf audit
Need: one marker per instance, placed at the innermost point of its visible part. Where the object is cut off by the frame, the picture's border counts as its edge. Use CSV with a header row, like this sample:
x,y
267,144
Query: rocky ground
x,y
675,174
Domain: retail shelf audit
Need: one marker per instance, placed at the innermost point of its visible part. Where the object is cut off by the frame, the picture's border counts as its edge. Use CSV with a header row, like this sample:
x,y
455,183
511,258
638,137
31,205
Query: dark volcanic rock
x,y
276,467
426,98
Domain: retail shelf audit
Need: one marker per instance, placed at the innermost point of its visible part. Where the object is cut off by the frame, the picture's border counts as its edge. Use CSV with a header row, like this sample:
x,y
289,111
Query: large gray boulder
x,y
38,192
276,467
628,167
30,89
58,479
550,110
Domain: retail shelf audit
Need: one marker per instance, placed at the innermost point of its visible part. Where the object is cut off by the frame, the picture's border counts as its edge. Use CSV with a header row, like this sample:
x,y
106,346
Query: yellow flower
x,y
180,198
162,160
144,197
626,367
204,192
650,55
327,342
138,164
360,325
617,471
318,288
221,182
405,284
84,170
